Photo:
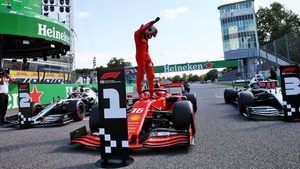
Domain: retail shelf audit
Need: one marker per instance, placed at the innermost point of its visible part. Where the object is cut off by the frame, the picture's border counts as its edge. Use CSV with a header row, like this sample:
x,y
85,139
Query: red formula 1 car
x,y
162,122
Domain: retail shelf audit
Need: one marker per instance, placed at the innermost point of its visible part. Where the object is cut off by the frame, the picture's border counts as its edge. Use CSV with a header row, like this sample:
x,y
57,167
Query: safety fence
x,y
286,48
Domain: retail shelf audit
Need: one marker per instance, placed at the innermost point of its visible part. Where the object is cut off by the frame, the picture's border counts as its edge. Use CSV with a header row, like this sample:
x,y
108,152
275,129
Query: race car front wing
x,y
157,138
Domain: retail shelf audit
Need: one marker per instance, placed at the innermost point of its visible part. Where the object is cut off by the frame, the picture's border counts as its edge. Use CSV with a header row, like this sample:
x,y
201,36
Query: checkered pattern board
x,y
290,109
112,143
23,119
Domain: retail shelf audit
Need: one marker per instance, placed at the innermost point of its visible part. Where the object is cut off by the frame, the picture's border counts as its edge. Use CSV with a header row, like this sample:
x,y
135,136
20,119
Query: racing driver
x,y
144,62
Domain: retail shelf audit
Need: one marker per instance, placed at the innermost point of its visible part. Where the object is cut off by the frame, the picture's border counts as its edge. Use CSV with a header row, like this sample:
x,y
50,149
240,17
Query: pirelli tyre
x,y
193,98
182,115
94,119
244,99
77,109
230,95
36,108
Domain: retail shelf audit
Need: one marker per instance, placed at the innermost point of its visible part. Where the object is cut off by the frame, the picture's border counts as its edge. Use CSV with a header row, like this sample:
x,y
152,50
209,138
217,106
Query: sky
x,y
189,30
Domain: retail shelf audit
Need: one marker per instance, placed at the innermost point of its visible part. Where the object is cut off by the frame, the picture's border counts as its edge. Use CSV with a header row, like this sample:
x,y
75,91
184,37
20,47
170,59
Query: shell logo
x,y
135,117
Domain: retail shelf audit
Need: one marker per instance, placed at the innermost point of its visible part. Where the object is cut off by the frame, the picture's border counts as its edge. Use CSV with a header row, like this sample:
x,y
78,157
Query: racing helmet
x,y
259,77
152,31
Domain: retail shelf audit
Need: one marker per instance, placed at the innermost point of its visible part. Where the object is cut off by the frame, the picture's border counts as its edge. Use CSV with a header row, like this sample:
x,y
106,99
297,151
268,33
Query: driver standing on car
x,y
144,62
5,79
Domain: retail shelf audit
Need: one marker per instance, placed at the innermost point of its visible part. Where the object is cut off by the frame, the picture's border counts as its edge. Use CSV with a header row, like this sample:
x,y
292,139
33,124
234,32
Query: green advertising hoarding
x,y
21,20
34,6
195,66
45,93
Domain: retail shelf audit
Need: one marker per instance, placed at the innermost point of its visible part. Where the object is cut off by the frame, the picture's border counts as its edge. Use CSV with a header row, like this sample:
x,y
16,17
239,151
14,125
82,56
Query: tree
x,y
184,77
211,75
202,77
176,78
170,79
115,62
195,78
190,77
274,22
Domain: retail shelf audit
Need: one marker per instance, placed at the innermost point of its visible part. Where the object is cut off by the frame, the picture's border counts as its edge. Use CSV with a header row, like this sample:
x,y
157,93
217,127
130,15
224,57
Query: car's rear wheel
x,y
77,109
94,119
182,115
229,95
244,99
193,98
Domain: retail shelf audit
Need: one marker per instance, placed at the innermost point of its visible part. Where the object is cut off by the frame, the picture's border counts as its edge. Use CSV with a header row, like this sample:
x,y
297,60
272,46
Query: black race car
x,y
260,99
60,111
57,112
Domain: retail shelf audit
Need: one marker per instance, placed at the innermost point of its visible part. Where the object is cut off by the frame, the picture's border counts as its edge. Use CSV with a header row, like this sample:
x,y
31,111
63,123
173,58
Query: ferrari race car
x,y
162,122
259,100
60,111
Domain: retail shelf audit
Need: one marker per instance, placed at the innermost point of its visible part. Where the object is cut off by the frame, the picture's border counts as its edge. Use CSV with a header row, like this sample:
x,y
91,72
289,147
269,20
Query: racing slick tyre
x,y
244,99
192,97
182,115
94,119
36,108
77,109
230,95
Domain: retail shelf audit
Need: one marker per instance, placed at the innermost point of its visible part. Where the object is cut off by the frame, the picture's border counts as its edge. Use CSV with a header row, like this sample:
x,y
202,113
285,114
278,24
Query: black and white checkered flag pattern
x,y
290,109
113,143
23,119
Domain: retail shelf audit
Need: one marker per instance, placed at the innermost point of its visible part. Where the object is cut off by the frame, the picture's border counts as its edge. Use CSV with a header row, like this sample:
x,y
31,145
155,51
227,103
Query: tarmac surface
x,y
224,139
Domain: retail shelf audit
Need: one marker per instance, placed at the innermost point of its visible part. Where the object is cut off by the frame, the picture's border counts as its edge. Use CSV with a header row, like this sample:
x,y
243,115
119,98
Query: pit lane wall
x,y
45,93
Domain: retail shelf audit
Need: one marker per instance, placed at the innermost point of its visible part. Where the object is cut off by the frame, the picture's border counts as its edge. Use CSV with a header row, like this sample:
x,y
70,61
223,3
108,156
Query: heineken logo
x,y
184,67
52,33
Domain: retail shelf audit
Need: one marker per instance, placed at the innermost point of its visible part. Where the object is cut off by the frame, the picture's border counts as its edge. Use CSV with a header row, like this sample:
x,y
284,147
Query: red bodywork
x,y
139,122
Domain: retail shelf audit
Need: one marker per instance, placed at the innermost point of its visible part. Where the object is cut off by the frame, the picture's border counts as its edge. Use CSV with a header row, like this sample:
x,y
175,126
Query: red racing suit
x,y
143,58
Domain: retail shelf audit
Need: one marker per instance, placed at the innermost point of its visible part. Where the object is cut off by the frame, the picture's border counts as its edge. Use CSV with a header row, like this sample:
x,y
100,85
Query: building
x,y
239,35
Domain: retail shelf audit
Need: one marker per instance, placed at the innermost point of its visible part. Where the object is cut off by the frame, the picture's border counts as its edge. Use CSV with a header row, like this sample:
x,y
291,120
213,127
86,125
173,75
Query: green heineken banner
x,y
24,5
44,93
195,66
21,21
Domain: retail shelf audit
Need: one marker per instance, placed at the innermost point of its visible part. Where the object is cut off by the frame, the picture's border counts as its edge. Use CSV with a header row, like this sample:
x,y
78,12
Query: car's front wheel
x,y
244,99
77,109
182,115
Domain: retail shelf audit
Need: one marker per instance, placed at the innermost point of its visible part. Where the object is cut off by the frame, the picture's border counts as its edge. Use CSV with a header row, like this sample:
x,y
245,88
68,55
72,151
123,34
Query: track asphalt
x,y
224,139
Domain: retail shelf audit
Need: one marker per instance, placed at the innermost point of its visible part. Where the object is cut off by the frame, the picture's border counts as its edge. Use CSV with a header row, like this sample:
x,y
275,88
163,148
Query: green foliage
x,y
82,71
211,75
176,78
202,77
184,77
193,78
274,22
115,62
227,69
